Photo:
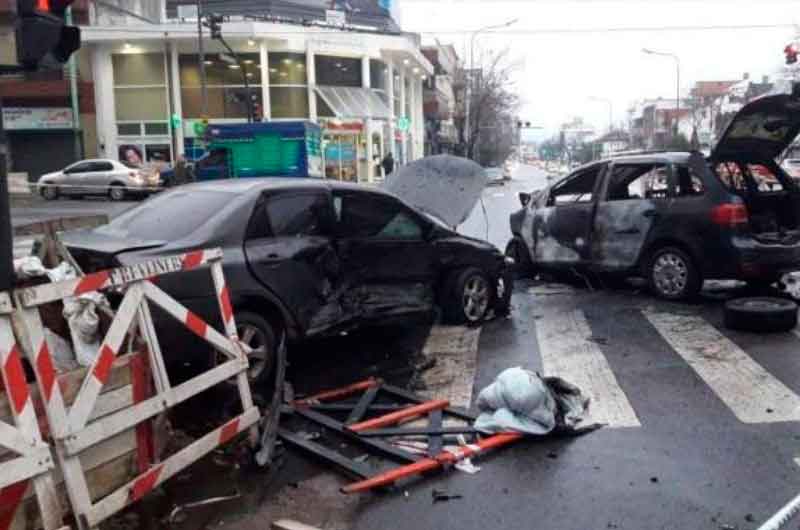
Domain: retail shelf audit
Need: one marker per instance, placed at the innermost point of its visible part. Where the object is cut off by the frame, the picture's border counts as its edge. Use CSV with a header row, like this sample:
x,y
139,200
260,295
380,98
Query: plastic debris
x,y
177,514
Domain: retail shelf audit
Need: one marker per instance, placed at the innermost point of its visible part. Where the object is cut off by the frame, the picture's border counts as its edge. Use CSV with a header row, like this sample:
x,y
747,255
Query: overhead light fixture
x,y
416,70
128,45
273,70
250,74
248,61
287,61
284,74
251,42
234,66
424,77
406,61
301,65
338,65
208,62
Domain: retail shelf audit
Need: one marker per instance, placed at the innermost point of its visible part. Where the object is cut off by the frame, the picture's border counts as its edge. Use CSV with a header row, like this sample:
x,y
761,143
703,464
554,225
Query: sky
x,y
575,54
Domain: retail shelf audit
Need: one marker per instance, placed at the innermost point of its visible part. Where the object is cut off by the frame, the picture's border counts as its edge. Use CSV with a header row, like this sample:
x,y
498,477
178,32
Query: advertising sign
x,y
21,118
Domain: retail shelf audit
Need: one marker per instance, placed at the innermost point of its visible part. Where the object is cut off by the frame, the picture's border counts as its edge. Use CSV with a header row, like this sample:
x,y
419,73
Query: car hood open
x,y
764,127
445,186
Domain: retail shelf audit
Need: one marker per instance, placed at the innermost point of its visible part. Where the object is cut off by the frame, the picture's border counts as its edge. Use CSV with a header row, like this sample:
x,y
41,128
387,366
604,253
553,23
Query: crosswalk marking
x,y
751,393
566,352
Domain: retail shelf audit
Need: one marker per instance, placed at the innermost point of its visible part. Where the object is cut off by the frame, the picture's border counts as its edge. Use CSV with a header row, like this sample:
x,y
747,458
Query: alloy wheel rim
x,y
670,274
116,193
475,299
259,358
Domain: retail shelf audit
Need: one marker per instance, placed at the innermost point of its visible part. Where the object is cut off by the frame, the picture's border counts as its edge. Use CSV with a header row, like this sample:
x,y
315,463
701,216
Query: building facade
x,y
440,100
362,85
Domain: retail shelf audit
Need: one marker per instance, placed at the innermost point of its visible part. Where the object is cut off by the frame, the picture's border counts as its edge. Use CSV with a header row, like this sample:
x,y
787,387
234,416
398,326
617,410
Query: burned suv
x,y
675,218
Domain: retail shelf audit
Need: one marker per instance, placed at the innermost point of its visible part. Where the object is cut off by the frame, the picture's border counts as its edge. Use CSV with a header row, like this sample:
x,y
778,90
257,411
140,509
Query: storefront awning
x,y
351,102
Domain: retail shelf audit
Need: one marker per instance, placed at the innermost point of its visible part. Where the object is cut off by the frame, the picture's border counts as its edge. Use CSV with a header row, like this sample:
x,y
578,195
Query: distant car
x,y
792,167
306,257
97,177
675,218
494,173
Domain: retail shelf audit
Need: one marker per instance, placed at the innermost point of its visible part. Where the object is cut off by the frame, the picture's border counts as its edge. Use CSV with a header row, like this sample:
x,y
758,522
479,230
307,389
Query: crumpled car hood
x,y
445,186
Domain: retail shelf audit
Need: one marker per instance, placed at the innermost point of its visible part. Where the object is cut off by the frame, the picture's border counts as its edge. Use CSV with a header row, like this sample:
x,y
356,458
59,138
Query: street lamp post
x,y
468,77
677,82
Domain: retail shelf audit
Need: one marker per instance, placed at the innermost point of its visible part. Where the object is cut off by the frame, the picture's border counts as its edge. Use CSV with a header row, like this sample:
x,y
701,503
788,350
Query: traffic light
x,y
41,32
791,52
214,24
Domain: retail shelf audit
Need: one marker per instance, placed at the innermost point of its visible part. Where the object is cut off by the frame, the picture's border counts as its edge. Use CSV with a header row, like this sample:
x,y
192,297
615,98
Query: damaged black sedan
x,y
676,218
305,257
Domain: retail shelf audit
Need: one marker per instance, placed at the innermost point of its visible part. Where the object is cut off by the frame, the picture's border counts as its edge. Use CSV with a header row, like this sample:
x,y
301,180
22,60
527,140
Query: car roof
x,y
247,185
675,157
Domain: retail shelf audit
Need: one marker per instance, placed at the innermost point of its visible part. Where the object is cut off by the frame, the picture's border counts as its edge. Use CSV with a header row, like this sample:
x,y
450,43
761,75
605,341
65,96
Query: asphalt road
x,y
702,430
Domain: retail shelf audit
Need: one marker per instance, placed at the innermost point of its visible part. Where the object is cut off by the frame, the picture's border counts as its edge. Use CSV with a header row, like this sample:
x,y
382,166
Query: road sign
x,y
403,123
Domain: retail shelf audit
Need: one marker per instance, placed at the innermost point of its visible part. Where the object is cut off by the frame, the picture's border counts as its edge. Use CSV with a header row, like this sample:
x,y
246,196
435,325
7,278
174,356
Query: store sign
x,y
20,118
332,44
335,18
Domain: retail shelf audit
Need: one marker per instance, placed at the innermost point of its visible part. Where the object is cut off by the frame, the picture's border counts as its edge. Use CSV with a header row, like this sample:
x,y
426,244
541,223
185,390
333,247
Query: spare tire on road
x,y
760,314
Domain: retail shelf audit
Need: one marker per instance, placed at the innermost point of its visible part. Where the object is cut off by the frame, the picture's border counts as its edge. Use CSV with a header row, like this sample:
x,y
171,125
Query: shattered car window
x,y
687,183
296,215
577,189
764,178
638,181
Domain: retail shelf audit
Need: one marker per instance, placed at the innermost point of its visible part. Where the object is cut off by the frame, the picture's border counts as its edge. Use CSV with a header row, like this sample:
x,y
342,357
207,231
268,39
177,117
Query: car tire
x,y
516,250
468,296
116,192
672,274
760,314
50,193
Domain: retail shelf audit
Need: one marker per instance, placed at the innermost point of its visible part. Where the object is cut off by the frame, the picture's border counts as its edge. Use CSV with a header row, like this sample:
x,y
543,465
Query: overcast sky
x,y
569,57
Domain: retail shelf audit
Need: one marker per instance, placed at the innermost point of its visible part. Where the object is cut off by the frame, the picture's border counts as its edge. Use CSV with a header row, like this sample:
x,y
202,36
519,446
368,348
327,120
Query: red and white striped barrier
x,y
32,462
72,428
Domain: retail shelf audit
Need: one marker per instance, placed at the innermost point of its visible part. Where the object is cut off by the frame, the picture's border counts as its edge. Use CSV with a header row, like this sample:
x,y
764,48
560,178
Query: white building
x,y
363,85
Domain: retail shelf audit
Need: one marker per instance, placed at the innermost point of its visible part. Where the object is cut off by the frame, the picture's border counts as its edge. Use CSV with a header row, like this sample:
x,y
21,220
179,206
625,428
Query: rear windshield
x,y
169,216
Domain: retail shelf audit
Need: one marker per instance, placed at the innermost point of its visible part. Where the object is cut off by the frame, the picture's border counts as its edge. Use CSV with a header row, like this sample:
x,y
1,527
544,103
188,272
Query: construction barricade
x,y
80,423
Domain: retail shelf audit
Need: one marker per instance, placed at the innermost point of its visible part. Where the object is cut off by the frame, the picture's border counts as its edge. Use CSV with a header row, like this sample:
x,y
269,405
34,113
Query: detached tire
x,y
760,314
467,297
516,250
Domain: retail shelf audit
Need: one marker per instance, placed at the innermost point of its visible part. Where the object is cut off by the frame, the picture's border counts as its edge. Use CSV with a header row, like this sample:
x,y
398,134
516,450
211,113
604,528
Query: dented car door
x,y
634,200
289,250
388,265
562,225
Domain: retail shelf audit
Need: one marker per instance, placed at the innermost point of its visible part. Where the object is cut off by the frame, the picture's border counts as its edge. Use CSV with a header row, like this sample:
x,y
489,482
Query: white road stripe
x,y
455,349
567,353
751,393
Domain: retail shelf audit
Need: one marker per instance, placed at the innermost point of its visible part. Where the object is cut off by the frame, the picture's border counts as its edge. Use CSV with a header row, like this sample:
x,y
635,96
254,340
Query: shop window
x,y
129,129
289,102
223,102
139,69
219,72
287,69
338,71
139,104
323,109
156,129
378,75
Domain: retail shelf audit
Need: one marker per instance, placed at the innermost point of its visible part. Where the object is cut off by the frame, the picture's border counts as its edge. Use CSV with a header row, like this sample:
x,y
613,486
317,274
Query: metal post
x,y
72,69
7,249
202,59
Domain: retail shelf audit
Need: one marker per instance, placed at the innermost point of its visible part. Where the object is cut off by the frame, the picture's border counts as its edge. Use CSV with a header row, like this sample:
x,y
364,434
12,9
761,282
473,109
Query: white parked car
x,y
494,173
106,177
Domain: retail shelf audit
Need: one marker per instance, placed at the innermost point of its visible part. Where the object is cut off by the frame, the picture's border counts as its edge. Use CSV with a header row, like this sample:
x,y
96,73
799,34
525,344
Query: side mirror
x,y
524,198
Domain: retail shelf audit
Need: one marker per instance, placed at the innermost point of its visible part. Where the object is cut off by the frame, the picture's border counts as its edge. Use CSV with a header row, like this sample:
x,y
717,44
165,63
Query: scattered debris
x,y
654,480
749,518
598,340
552,455
443,496
178,515
286,524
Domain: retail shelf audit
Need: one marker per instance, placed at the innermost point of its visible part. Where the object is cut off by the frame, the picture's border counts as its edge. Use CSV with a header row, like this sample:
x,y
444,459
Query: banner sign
x,y
21,118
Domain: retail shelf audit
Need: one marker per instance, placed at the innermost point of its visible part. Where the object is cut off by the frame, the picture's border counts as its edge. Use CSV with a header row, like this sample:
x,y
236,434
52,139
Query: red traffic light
x,y
791,52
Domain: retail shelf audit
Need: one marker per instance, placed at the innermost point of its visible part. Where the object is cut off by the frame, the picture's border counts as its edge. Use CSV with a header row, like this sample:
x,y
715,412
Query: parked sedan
x,y
97,177
305,256
676,218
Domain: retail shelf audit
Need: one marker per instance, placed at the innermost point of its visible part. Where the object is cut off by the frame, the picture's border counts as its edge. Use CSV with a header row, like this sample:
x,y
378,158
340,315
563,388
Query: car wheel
x,y
468,297
50,193
516,250
760,314
116,192
673,275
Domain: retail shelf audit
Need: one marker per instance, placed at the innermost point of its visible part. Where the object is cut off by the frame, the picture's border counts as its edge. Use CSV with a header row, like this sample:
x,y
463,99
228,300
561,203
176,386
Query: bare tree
x,y
493,106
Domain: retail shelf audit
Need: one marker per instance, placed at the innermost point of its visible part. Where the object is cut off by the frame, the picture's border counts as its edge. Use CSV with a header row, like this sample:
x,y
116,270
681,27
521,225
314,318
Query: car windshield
x,y
169,216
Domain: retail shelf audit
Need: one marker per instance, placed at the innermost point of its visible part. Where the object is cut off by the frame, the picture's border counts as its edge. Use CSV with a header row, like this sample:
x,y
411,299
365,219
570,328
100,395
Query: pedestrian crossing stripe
x,y
752,393
567,353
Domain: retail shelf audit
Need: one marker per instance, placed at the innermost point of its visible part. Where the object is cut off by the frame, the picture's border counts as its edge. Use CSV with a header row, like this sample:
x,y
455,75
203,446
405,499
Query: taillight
x,y
730,214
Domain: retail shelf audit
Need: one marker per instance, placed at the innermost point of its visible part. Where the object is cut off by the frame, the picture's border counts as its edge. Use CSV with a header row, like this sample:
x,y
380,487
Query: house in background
x,y
439,100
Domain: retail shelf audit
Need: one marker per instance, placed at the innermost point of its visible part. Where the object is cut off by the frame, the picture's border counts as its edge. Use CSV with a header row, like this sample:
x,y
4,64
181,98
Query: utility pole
x,y
202,59
72,69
